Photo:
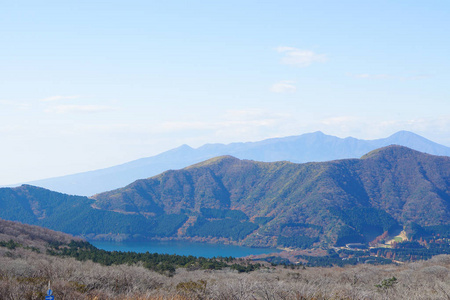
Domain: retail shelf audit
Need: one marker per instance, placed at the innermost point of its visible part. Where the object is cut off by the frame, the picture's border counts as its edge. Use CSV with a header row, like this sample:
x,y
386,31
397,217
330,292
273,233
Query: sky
x,y
90,84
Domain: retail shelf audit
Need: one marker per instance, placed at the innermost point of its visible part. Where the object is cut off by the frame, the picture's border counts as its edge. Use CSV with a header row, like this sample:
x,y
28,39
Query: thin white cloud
x,y
231,121
371,76
62,109
283,87
212,126
251,114
300,58
387,76
340,120
10,129
59,98
15,104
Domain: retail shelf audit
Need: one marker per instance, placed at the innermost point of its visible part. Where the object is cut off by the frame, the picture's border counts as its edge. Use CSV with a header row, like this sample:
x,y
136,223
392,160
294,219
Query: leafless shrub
x,y
32,236
24,274
440,259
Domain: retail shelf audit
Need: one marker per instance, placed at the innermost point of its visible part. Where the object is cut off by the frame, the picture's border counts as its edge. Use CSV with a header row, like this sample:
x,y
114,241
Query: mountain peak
x,y
183,147
404,134
390,150
318,133
215,161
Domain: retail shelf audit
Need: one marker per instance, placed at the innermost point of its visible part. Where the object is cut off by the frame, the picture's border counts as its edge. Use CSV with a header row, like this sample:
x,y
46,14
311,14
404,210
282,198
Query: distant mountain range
x,y
256,203
311,147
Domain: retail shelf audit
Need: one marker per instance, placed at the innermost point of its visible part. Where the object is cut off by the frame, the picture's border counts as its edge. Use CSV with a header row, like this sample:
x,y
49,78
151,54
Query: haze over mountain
x,y
308,147
256,203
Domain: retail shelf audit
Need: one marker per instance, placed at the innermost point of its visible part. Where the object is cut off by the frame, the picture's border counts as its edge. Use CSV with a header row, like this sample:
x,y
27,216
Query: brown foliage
x,y
32,236
25,275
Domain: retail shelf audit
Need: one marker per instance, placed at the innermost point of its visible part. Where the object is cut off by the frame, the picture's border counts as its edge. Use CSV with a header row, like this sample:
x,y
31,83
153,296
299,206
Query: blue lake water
x,y
182,248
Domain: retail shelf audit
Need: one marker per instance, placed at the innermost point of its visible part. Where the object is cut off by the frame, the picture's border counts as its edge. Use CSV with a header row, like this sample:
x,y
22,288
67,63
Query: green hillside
x,y
255,203
76,215
339,201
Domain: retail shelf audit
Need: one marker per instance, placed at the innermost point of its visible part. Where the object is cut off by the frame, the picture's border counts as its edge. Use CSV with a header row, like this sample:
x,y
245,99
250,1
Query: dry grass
x,y
24,275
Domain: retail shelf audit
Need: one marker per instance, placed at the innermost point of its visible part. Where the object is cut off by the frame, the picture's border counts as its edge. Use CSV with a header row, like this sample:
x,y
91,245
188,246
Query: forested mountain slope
x,y
337,201
76,215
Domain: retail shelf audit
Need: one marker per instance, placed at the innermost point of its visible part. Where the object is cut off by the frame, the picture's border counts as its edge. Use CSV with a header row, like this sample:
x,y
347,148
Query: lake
x,y
183,248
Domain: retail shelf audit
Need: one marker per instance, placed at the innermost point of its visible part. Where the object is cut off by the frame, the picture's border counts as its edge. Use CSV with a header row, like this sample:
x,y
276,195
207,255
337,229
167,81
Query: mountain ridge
x,y
394,183
256,203
315,146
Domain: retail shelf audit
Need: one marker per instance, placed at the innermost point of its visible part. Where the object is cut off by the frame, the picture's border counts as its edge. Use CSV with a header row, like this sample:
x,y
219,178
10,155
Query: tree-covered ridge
x,y
222,223
75,215
211,213
162,263
351,200
363,224
231,228
298,235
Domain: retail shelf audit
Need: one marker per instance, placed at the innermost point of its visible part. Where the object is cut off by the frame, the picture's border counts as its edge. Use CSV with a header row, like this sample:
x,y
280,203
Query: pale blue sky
x,y
90,84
